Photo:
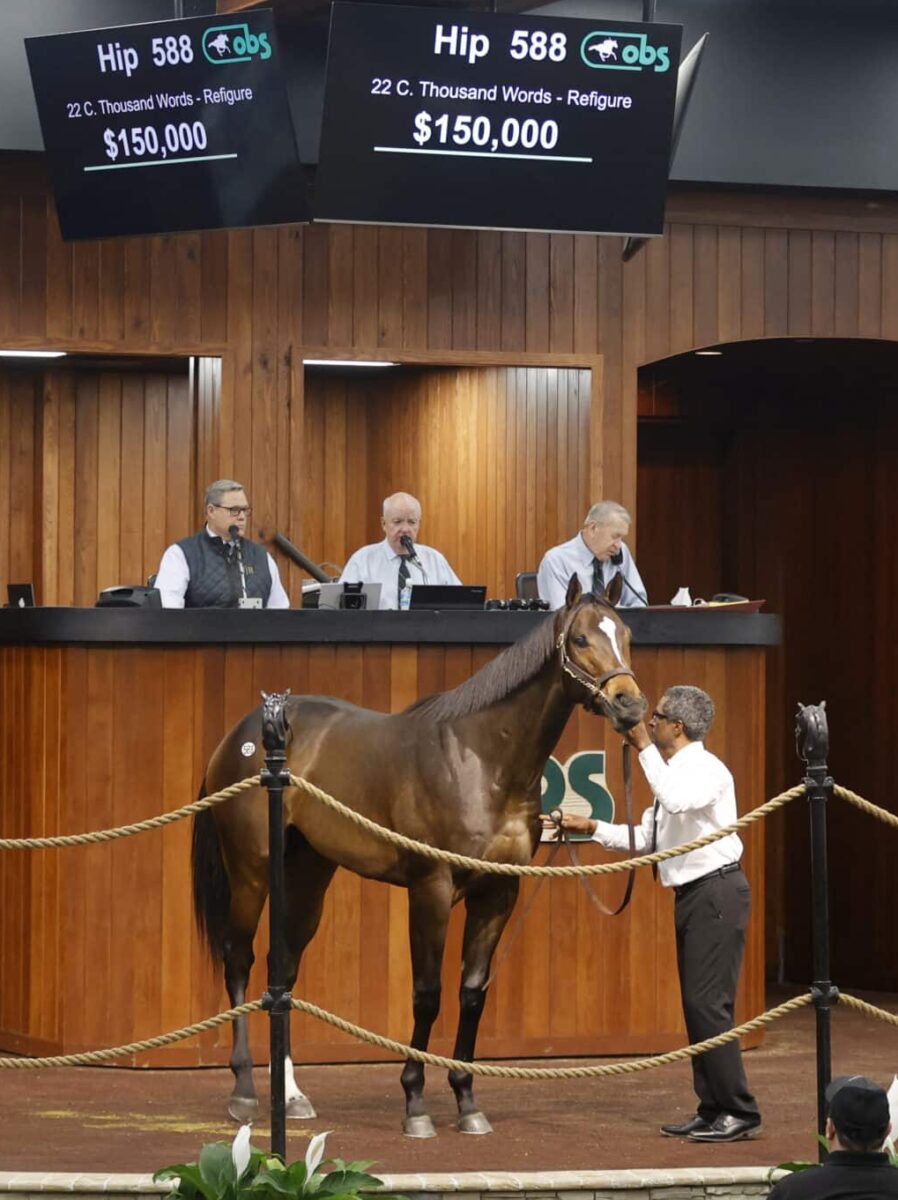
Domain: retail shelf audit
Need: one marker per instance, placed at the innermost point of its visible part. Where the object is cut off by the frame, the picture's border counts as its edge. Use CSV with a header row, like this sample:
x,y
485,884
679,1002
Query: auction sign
x,y
489,120
173,125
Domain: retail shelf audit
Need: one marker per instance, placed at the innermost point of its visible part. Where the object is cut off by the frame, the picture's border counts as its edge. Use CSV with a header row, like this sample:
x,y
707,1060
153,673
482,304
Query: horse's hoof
x,y
243,1108
418,1127
474,1122
300,1109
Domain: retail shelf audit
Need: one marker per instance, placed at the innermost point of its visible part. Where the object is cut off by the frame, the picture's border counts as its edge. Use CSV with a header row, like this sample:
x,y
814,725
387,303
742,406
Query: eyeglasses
x,y
660,716
234,510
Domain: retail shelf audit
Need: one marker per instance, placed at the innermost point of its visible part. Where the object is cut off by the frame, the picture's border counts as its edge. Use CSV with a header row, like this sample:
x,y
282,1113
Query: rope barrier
x,y
872,810
88,1057
869,1010
586,1072
434,852
110,835
438,1060
500,868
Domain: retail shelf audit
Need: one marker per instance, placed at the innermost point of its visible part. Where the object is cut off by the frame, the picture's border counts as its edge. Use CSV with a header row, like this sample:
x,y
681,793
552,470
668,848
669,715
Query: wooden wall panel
x,y
114,920
499,458
729,266
97,471
744,507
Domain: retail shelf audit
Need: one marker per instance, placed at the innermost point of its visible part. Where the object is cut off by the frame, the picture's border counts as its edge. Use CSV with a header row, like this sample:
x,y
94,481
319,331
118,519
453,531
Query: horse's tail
x,y
211,889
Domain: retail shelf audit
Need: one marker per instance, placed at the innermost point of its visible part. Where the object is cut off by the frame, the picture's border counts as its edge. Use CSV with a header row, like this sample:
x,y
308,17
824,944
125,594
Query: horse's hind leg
x,y
247,899
306,878
429,902
488,910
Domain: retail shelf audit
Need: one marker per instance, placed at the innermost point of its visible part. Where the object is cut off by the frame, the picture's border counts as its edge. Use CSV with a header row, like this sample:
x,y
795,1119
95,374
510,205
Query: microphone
x,y
409,547
236,543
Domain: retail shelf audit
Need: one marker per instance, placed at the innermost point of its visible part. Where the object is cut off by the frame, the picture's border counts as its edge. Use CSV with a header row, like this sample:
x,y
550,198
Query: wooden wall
x,y
499,458
776,480
730,266
97,473
113,922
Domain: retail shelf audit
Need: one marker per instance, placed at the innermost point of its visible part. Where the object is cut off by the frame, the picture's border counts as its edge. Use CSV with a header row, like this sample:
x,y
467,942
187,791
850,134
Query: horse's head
x,y
594,651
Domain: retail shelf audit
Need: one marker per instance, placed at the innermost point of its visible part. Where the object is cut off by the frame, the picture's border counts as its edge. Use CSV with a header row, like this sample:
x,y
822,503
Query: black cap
x,y
859,1108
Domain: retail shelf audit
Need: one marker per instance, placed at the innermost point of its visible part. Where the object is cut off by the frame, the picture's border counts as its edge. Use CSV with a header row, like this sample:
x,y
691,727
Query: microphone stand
x,y
409,547
238,546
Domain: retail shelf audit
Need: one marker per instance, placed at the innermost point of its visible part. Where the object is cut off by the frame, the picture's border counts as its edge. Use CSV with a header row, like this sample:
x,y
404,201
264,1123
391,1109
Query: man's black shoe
x,y
727,1128
693,1125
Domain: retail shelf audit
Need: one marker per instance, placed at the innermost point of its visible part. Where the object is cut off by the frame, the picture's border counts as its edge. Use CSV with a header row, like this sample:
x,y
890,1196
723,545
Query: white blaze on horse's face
x,y
608,627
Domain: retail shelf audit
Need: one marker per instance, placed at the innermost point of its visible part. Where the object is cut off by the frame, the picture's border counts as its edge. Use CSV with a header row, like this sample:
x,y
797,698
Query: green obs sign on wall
x,y
578,786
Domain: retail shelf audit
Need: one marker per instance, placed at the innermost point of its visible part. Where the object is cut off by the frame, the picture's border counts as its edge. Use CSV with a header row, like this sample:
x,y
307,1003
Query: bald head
x,y
401,518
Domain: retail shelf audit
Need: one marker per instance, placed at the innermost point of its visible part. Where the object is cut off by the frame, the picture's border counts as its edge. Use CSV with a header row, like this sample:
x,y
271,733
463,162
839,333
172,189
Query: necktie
x,y
654,838
598,579
403,572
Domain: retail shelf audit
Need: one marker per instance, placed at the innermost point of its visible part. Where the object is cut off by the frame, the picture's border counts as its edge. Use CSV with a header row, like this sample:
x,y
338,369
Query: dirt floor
x,y
114,1119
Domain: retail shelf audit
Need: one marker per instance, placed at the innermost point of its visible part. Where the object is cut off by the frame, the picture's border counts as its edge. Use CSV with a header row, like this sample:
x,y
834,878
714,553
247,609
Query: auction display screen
x,y
168,126
438,117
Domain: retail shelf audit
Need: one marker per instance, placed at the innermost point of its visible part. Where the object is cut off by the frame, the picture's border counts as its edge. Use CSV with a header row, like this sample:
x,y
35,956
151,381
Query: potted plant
x,y
239,1172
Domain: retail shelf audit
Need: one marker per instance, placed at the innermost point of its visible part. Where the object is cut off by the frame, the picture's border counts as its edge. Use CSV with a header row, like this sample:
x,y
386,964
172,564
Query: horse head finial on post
x,y
275,725
812,735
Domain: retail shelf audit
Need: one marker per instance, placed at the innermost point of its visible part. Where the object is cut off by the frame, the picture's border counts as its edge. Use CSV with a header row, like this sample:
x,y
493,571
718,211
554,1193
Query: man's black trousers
x,y
711,918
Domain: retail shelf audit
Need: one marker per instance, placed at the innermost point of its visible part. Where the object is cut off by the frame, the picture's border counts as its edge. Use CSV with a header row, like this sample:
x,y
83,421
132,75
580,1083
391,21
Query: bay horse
x,y
461,770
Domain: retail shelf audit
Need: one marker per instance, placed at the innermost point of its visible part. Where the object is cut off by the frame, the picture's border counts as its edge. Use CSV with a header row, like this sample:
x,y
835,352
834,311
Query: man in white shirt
x,y
389,562
218,567
694,795
597,553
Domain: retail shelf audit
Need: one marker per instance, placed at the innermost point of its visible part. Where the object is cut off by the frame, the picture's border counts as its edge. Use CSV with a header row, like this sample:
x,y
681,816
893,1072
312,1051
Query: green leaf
x,y
217,1169
190,1181
274,1183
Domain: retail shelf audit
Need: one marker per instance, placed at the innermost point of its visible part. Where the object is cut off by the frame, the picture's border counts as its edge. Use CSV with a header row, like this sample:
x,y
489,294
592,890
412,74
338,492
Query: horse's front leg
x,y
429,902
488,906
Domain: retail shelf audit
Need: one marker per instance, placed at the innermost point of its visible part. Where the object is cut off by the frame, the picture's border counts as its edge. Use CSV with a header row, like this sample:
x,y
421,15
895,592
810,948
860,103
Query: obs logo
x,y
234,43
578,786
623,52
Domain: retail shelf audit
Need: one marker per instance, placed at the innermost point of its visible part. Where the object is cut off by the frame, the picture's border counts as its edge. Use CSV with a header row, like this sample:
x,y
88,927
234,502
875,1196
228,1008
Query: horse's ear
x,y
574,591
614,589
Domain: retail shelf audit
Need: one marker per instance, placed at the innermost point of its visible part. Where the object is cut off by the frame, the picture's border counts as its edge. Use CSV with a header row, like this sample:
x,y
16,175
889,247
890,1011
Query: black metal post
x,y
812,741
277,999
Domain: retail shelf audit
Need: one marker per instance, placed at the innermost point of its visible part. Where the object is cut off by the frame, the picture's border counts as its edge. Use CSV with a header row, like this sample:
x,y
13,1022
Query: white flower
x,y
315,1152
893,1113
240,1150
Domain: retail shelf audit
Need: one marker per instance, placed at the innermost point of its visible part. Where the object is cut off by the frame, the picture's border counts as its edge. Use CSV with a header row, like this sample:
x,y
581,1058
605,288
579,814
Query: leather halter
x,y
593,684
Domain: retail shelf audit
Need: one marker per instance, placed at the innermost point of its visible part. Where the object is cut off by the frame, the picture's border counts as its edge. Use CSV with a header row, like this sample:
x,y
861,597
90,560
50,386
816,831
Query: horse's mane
x,y
499,678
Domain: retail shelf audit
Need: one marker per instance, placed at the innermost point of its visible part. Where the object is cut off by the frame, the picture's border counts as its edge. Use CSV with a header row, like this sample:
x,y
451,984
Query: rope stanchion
x,y
500,868
122,831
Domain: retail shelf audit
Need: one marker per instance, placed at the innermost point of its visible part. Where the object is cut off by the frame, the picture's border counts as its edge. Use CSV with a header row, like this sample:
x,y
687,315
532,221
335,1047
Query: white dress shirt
x,y
695,796
561,562
173,577
378,563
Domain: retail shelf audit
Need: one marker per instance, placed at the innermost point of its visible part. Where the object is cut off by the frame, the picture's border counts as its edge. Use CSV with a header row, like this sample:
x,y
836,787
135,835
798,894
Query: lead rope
x,y
631,837
515,931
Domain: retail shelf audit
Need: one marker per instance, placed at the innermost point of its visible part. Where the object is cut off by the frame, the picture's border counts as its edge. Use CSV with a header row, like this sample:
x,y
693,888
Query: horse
x,y
605,50
461,770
